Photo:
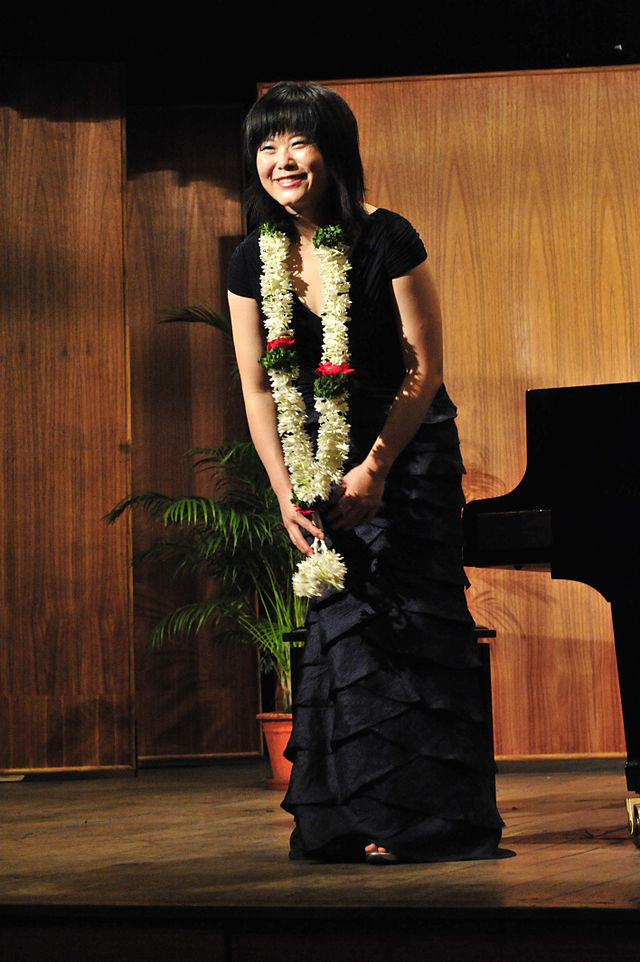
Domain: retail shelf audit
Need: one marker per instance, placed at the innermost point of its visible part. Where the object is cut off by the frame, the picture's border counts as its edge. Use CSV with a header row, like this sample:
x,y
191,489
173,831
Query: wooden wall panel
x,y
525,189
65,668
184,219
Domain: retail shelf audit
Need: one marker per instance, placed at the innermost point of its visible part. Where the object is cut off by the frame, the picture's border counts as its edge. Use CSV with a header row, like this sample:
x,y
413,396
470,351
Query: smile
x,y
291,181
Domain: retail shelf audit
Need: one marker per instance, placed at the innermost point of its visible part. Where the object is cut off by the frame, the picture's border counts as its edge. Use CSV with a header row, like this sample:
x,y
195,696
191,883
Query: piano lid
x,y
577,508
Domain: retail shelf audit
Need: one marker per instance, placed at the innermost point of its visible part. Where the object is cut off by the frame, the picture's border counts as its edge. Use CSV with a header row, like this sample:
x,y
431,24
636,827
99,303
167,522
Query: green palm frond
x,y
231,522
235,621
236,467
196,315
151,502
236,538
232,525
188,620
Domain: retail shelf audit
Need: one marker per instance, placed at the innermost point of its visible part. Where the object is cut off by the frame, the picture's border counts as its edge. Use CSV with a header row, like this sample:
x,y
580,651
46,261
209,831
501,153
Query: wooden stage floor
x,y
194,860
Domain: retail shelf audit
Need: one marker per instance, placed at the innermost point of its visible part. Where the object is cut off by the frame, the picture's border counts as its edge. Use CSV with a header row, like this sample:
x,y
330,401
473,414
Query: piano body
x,y
576,513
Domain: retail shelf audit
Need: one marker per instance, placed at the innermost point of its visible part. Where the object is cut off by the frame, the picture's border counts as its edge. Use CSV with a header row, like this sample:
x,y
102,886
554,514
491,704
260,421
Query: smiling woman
x,y
293,172
323,121
337,332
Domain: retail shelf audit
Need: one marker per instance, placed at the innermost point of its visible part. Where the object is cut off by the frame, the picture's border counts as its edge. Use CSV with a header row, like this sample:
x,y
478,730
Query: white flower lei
x,y
311,476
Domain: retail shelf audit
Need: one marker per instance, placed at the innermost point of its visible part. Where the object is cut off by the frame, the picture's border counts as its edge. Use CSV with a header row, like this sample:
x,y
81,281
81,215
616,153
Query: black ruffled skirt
x,y
391,738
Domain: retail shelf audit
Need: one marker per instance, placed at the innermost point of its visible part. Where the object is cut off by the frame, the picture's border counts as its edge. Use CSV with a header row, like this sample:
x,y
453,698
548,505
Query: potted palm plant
x,y
234,540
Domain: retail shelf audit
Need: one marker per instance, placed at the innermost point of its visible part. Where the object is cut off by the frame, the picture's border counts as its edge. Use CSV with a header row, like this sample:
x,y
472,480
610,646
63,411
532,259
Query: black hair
x,y
323,116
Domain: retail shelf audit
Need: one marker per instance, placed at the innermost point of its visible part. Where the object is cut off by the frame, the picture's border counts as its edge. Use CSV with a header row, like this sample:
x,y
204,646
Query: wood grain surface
x,y
215,837
184,219
65,667
524,188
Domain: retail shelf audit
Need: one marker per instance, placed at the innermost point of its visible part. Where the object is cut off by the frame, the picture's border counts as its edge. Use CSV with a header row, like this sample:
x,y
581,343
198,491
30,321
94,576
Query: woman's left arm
x,y
358,496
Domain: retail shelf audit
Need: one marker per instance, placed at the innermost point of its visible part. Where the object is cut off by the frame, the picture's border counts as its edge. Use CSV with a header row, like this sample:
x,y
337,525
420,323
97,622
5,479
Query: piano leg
x,y
625,612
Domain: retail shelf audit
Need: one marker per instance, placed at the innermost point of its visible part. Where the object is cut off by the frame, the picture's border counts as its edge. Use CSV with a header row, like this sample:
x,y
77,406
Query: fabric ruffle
x,y
391,739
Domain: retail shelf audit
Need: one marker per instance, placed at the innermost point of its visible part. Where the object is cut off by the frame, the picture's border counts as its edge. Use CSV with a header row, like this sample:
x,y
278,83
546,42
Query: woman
x,y
390,747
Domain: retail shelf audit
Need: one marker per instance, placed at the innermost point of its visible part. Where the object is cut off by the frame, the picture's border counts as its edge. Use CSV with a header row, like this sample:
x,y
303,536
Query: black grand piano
x,y
576,513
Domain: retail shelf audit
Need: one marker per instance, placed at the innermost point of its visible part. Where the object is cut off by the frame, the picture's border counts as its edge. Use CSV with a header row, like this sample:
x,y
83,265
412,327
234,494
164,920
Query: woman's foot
x,y
377,855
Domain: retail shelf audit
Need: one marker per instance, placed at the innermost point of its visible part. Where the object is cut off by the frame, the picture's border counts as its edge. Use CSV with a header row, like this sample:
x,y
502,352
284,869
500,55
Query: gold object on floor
x,y
633,811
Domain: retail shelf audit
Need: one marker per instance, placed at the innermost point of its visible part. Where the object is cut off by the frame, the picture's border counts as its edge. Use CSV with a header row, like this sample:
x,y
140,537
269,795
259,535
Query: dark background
x,y
215,53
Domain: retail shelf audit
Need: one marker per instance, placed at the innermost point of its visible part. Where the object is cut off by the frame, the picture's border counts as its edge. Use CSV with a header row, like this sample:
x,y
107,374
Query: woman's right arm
x,y
261,414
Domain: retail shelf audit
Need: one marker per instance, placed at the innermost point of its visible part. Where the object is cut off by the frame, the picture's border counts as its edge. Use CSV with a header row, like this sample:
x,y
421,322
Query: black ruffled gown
x,y
391,738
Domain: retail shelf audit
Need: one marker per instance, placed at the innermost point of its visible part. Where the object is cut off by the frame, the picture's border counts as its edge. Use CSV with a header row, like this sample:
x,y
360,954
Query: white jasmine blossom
x,y
317,571
311,476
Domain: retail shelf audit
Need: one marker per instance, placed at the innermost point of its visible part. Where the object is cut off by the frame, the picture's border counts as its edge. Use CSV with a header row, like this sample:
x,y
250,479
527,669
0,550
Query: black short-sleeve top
x,y
387,247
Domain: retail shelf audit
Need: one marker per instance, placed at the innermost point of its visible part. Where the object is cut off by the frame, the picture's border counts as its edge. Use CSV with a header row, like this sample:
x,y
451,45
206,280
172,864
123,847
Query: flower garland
x,y
311,475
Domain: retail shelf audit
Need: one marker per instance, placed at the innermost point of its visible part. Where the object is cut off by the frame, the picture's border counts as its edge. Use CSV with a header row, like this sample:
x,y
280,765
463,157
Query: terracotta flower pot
x,y
277,731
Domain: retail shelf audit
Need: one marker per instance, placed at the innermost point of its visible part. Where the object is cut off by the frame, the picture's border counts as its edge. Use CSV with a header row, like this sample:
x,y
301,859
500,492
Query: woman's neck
x,y
304,227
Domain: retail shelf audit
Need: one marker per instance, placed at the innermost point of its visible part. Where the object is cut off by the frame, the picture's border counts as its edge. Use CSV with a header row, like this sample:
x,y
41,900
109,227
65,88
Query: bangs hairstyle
x,y
323,116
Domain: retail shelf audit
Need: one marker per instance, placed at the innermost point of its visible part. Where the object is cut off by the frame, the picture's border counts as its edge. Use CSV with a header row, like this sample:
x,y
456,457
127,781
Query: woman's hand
x,y
357,498
294,519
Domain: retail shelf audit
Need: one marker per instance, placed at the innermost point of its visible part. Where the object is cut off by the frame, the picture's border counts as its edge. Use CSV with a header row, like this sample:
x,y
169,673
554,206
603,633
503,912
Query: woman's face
x,y
292,171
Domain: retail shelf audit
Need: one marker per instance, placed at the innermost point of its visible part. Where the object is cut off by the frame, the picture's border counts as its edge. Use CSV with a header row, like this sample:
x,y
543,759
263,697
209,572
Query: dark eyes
x,y
269,145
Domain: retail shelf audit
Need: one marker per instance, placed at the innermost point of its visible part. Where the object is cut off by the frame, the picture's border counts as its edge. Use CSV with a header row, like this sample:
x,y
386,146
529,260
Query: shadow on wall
x,y
189,140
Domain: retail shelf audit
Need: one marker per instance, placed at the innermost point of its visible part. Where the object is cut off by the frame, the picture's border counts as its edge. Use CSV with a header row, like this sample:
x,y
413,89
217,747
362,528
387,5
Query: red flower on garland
x,y
280,342
328,367
308,512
